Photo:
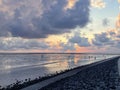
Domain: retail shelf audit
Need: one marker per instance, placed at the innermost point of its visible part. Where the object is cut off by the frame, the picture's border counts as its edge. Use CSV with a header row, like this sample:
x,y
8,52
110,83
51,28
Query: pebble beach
x,y
103,76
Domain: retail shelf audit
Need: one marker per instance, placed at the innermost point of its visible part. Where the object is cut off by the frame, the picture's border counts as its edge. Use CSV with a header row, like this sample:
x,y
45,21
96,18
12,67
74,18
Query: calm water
x,y
22,66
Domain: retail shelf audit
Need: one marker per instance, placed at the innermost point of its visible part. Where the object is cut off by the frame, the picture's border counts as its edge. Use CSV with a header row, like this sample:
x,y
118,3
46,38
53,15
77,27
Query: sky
x,y
60,26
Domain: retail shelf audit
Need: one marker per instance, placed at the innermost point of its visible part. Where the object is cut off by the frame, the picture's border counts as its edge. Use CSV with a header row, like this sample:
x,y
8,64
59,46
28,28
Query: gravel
x,y
104,76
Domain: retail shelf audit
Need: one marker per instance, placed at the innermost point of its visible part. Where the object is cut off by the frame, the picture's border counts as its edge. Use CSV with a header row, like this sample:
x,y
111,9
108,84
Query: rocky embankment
x,y
103,76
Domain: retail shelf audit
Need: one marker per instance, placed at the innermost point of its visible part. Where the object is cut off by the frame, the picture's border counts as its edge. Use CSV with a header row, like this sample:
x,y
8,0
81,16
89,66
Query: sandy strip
x,y
62,76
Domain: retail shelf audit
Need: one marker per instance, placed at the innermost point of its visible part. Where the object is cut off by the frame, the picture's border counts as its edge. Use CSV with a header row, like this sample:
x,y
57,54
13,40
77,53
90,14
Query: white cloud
x,y
98,3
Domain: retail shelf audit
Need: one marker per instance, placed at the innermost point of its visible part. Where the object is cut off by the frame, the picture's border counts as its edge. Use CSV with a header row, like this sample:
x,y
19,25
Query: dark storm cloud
x,y
40,18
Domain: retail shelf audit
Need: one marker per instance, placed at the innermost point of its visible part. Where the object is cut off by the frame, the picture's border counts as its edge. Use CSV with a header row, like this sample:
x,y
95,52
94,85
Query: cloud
x,y
67,46
110,38
118,21
117,44
74,40
105,22
21,44
112,33
40,18
70,4
119,1
81,41
101,39
98,3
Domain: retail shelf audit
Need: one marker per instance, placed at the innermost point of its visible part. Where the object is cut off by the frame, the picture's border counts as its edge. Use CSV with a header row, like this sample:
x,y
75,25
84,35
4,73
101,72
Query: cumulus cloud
x,y
98,3
101,39
118,21
76,39
81,41
21,44
107,39
40,18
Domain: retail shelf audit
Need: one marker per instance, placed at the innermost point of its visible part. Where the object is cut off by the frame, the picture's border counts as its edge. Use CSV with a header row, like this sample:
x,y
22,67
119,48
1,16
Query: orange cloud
x,y
55,39
70,4
2,7
81,49
0,2
118,21
119,1
98,3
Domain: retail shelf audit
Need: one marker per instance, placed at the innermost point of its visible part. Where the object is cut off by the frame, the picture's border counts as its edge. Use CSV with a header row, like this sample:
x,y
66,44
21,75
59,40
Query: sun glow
x,y
70,4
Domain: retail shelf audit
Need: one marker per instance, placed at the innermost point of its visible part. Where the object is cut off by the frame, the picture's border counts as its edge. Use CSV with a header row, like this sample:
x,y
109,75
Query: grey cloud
x,y
117,44
19,43
67,46
75,39
40,18
105,22
99,39
107,40
112,33
102,40
97,43
81,41
102,37
118,36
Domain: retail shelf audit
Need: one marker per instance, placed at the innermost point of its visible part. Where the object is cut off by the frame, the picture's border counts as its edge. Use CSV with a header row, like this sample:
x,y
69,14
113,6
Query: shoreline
x,y
60,53
65,75
103,76
41,82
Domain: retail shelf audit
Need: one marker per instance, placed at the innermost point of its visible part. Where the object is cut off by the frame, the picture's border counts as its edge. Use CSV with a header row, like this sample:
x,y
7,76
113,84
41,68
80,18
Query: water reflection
x,y
22,66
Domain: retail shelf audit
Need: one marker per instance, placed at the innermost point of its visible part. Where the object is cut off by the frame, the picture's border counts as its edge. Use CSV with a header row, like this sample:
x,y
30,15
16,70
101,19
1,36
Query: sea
x,y
15,67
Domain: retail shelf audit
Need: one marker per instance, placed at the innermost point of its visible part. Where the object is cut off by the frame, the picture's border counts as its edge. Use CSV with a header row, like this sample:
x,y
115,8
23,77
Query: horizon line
x,y
56,53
